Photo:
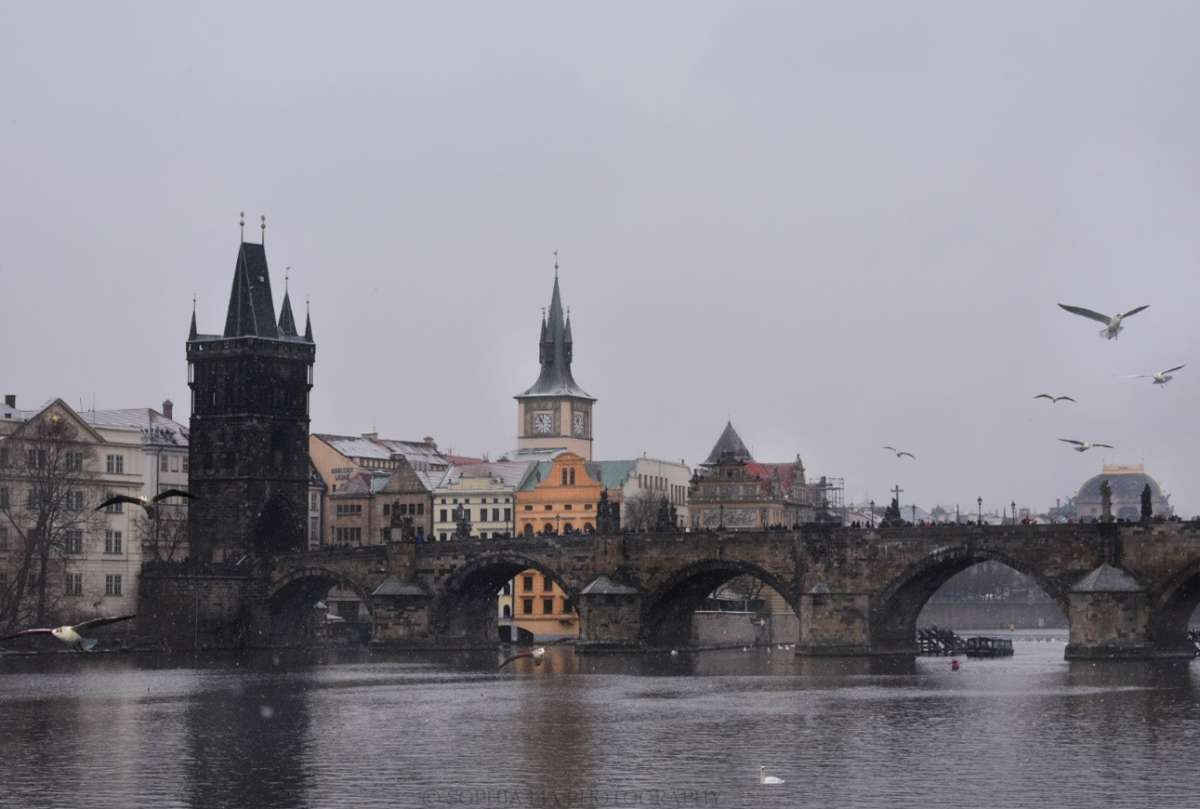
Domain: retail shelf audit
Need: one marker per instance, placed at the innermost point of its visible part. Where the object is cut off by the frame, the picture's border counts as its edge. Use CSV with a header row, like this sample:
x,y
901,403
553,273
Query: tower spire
x,y
192,334
307,322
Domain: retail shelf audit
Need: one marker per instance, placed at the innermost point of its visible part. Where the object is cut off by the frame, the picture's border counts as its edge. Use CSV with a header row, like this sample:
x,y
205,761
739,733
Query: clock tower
x,y
555,413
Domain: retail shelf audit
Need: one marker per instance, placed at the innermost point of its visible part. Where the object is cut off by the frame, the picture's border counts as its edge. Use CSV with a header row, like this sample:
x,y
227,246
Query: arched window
x,y
528,529
507,611
588,529
568,528
572,476
564,476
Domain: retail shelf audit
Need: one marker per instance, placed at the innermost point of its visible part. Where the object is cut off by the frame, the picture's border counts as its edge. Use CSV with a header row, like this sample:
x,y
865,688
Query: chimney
x,y
429,442
168,409
10,399
371,436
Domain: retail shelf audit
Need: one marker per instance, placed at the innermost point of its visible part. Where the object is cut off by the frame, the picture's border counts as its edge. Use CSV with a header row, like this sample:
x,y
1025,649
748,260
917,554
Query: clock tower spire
x,y
555,413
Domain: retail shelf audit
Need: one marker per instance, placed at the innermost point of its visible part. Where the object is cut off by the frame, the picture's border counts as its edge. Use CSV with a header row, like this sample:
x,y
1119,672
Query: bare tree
x,y
47,492
640,512
165,536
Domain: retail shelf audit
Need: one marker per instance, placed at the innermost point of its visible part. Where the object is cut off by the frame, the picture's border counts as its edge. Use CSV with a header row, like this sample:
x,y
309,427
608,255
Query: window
x,y
527,606
3,580
74,461
162,463
587,506
387,509
507,611
113,508
74,584
549,507
529,508
114,464
547,585
174,463
564,477
112,585
4,497
3,457
567,507
314,527
312,501
420,508
112,541
567,606
3,537
572,470
443,536
185,463
495,515
74,541
527,583
442,518
507,514
75,500
547,606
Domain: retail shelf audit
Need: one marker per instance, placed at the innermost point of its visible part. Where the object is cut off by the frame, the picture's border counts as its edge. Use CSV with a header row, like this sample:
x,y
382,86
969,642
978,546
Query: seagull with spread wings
x,y
149,504
70,635
1112,323
900,453
1160,378
1054,399
1084,446
537,655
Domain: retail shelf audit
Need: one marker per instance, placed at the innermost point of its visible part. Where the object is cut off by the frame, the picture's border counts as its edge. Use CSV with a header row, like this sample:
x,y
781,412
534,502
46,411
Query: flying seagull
x,y
537,655
901,453
70,635
1054,399
1160,378
1083,446
148,504
1112,324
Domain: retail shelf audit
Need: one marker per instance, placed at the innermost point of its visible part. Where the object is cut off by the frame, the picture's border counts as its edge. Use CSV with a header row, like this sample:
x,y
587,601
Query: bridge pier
x,y
610,617
1110,618
401,613
834,624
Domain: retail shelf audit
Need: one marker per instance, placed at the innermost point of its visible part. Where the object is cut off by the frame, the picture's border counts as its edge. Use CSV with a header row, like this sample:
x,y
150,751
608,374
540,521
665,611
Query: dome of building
x,y
1127,484
1124,485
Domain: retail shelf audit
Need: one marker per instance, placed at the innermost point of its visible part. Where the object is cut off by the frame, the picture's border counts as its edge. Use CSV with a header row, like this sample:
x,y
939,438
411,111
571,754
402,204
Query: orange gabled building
x,y
562,501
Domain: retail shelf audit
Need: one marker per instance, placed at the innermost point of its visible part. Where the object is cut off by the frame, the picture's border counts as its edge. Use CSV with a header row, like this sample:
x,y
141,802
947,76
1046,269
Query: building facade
x,y
338,458
481,497
555,413
249,424
732,491
56,466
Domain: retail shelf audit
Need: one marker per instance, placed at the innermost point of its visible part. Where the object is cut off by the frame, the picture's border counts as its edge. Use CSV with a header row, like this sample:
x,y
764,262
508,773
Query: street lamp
x,y
979,503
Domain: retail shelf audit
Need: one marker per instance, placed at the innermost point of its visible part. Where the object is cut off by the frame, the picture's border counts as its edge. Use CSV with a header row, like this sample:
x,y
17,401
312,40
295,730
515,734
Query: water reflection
x,y
362,729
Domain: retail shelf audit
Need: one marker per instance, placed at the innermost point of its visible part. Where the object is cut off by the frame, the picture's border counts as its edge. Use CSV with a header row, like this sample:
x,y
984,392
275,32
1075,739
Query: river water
x,y
360,729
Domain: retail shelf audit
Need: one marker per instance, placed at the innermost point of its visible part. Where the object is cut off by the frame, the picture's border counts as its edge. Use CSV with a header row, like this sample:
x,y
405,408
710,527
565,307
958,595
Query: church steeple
x,y
555,353
192,334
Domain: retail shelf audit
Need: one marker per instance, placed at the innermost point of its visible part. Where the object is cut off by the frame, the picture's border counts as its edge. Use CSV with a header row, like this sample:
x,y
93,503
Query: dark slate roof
x,y
555,355
287,323
604,586
251,307
1106,579
393,586
729,447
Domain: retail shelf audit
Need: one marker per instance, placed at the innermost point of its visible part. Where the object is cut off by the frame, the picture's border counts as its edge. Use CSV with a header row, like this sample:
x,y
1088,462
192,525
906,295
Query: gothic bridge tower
x,y
248,451
555,413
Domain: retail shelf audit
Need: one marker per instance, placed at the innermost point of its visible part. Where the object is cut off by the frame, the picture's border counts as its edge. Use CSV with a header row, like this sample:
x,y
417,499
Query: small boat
x,y
989,647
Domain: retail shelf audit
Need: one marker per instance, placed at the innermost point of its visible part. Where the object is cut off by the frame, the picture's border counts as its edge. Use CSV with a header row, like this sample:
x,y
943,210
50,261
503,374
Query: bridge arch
x,y
894,611
1172,607
290,601
465,609
667,609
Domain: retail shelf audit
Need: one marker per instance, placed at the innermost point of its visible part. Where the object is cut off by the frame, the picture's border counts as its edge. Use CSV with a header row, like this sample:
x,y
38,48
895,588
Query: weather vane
x,y
263,226
286,272
242,224
556,263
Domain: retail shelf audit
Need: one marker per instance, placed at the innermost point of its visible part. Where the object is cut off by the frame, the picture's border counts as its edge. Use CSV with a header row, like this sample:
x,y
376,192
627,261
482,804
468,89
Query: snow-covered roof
x,y
156,428
507,473
384,449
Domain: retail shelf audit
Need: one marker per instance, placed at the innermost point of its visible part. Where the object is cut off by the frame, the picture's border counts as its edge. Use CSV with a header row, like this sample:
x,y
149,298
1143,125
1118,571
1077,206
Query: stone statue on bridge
x,y
608,515
462,522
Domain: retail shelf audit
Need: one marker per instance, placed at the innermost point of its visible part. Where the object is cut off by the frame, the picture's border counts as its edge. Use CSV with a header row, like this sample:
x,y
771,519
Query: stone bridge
x,y
1127,590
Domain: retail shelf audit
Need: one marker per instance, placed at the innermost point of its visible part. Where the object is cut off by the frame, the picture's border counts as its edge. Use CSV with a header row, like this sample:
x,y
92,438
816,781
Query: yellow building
x,y
543,608
560,498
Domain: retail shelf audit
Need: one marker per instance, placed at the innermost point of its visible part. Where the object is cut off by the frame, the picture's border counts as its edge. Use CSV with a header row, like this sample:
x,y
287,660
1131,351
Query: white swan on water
x,y
763,778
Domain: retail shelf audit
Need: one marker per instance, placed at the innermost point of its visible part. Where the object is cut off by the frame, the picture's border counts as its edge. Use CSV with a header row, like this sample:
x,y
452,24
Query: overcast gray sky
x,y
844,225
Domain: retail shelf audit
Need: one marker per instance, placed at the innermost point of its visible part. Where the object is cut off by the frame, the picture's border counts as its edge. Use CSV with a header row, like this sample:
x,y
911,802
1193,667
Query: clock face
x,y
543,423
577,422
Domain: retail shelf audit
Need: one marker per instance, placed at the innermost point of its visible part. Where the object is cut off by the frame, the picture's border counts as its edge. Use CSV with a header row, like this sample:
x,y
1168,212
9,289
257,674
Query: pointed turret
x,y
729,447
308,327
192,334
287,323
554,353
251,307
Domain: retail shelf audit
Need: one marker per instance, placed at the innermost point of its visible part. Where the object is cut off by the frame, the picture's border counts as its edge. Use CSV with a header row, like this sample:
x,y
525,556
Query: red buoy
x,y
954,664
